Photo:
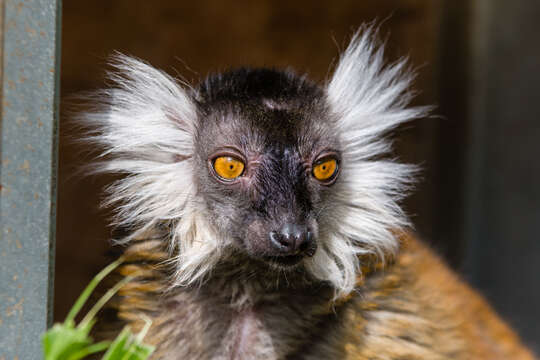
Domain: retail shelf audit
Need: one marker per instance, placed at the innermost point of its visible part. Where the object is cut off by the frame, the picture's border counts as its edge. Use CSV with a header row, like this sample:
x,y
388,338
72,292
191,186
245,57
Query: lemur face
x,y
268,157
261,163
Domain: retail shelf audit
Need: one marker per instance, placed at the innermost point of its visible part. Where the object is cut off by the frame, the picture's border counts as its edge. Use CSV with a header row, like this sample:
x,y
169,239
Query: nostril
x,y
310,247
281,241
303,246
307,244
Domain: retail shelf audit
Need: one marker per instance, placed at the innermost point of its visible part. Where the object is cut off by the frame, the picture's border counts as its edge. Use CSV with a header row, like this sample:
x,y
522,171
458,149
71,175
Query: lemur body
x,y
265,221
414,308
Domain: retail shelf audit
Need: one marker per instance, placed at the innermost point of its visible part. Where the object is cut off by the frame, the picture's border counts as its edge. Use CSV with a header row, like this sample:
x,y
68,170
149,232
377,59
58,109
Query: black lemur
x,y
264,218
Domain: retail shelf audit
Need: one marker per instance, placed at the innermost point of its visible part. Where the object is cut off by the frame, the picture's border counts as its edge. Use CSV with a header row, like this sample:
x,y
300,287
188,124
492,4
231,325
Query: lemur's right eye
x,y
228,167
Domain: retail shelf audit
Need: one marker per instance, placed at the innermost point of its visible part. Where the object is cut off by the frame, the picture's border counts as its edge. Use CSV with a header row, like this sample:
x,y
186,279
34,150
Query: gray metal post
x,y
28,155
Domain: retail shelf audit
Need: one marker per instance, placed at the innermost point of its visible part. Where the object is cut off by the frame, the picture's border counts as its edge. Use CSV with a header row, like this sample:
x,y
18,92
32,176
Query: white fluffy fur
x,y
369,99
147,125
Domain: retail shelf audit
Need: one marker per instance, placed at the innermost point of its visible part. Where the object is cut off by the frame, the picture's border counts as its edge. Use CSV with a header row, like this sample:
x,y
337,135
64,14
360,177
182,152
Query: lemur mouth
x,y
285,260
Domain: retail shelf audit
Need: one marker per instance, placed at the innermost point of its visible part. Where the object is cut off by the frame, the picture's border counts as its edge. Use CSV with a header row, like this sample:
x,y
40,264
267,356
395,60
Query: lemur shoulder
x,y
265,222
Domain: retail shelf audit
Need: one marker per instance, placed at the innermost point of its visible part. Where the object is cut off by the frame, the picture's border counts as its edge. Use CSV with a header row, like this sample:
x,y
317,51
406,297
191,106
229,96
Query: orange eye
x,y
228,168
325,170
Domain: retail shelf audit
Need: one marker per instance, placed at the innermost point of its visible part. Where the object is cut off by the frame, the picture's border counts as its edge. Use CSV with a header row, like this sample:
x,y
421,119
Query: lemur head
x,y
261,163
267,157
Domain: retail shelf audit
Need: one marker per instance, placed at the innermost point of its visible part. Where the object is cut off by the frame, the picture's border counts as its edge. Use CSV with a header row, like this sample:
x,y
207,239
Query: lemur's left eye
x,y
228,168
325,169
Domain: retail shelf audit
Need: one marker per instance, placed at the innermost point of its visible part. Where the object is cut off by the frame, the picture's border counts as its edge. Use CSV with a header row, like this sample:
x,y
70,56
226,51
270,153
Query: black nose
x,y
293,239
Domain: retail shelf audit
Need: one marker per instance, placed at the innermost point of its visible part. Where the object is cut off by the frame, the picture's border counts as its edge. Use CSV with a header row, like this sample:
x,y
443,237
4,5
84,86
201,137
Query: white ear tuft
x,y
146,125
368,99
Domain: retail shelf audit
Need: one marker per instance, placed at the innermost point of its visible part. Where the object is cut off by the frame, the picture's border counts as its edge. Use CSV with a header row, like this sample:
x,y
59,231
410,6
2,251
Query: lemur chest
x,y
248,337
198,326
213,330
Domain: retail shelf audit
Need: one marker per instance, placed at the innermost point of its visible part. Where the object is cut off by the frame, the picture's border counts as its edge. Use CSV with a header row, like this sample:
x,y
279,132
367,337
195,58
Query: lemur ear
x,y
146,112
369,97
145,125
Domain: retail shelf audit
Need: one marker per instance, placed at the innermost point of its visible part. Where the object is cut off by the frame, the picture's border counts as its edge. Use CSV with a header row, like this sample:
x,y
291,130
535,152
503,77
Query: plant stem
x,y
90,288
98,305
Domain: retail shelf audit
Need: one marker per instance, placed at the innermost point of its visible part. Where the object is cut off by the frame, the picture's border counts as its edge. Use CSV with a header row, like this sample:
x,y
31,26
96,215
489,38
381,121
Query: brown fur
x,y
414,308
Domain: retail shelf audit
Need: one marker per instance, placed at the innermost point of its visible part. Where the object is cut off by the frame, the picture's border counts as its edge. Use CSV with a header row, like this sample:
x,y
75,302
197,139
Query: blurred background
x,y
478,201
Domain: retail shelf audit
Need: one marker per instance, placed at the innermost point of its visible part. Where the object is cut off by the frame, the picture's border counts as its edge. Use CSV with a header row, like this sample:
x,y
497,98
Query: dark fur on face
x,y
278,124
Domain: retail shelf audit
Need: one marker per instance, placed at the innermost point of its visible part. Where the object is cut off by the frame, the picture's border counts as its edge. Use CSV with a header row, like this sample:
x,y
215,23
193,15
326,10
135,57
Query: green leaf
x,y
63,340
69,342
94,348
118,347
126,346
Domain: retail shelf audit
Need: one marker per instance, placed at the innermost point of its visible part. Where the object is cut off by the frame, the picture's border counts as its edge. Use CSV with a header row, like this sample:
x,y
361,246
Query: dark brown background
x,y
190,39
